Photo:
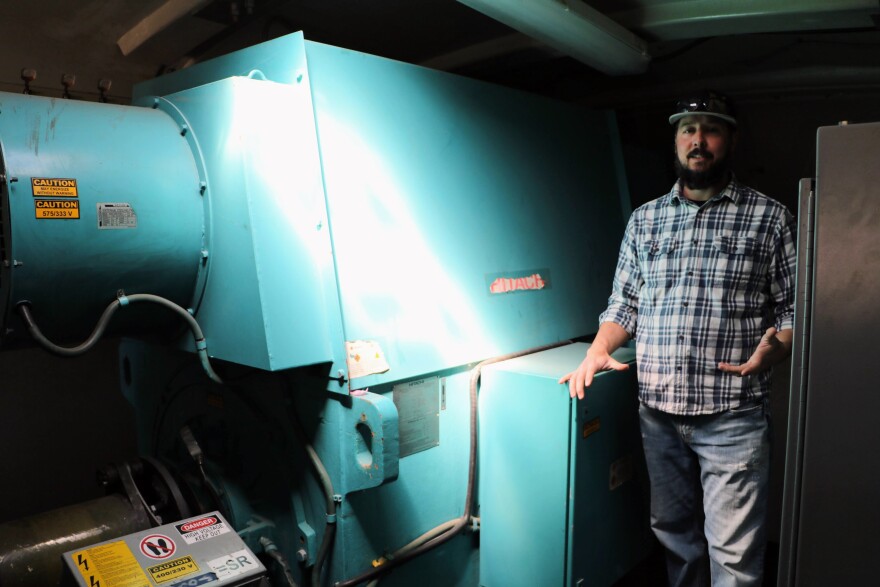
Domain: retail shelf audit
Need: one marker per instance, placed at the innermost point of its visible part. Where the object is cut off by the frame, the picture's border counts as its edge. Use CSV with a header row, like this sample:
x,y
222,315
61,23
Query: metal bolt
x,y
301,555
17,263
202,187
183,129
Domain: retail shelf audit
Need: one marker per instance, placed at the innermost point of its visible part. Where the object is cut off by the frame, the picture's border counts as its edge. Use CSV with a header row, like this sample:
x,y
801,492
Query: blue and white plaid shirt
x,y
698,285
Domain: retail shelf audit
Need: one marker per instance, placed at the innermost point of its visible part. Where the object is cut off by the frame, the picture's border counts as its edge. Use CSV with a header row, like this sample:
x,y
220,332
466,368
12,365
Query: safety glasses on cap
x,y
709,104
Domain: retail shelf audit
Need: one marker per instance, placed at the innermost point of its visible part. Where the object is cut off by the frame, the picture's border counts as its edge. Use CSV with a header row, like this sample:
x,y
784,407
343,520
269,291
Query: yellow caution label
x,y
55,187
592,426
109,565
56,209
179,567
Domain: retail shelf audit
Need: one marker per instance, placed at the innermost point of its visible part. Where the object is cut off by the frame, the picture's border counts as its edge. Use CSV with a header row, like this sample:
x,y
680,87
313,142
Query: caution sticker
x,y
56,209
111,564
54,187
173,569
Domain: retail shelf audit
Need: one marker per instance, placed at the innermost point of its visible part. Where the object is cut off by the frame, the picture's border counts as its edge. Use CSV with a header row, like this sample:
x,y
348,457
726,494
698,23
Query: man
x,y
705,285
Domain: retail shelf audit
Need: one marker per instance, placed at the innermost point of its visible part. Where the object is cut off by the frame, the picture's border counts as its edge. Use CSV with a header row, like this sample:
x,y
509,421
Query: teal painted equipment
x,y
365,199
79,159
362,223
564,489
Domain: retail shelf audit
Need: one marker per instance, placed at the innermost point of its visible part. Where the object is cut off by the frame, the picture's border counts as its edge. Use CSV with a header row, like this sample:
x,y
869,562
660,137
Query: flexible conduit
x,y
444,532
101,326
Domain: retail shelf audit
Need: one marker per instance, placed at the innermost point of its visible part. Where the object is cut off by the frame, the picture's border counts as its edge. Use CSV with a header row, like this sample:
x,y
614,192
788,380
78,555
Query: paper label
x,y
364,357
116,215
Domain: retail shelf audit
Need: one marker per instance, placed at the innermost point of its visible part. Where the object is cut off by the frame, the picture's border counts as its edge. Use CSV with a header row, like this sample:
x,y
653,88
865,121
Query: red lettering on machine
x,y
509,284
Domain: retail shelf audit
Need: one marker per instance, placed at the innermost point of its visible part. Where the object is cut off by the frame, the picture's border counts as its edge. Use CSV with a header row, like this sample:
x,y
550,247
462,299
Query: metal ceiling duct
x,y
573,27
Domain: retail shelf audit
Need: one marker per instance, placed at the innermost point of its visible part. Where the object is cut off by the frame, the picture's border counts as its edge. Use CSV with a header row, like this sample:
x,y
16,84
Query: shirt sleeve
x,y
623,305
783,272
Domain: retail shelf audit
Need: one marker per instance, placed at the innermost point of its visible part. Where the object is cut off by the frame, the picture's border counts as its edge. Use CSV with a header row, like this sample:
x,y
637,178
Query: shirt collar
x,y
732,191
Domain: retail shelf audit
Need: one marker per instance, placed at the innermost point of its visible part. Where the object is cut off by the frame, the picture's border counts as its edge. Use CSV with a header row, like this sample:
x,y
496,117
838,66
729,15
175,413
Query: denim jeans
x,y
709,481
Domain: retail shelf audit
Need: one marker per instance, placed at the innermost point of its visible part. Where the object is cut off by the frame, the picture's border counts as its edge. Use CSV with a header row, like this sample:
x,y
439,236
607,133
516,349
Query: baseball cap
x,y
708,103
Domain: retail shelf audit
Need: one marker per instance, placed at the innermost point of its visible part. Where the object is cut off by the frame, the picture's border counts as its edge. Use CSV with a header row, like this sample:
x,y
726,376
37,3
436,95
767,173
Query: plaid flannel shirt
x,y
698,285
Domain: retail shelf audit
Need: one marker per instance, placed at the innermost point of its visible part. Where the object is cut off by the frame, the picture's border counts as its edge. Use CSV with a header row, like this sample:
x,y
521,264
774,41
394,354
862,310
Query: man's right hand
x,y
596,361
609,338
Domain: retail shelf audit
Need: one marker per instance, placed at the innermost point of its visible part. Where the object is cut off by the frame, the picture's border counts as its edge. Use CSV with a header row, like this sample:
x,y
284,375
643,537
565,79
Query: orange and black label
x,y
56,209
54,187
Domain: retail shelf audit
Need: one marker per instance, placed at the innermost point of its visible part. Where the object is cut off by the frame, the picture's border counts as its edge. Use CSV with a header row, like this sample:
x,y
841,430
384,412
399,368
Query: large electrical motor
x,y
98,200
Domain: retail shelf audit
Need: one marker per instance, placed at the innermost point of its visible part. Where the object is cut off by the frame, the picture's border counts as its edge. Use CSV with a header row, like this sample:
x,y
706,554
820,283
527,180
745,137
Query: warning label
x,y
158,546
56,209
171,570
111,564
203,529
54,187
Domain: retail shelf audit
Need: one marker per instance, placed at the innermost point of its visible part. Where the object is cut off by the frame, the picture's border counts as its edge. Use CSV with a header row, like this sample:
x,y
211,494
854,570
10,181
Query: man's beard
x,y
700,180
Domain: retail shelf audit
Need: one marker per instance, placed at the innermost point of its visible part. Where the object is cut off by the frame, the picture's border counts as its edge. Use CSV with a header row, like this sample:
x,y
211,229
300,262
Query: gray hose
x,y
95,336
327,486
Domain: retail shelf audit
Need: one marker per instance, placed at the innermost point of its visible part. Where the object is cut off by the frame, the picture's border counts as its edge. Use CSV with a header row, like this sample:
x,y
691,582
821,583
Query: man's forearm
x,y
611,336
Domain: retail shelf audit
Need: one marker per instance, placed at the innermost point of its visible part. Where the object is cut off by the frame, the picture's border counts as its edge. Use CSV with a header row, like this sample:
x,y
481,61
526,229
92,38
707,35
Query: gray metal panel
x,y
798,397
840,482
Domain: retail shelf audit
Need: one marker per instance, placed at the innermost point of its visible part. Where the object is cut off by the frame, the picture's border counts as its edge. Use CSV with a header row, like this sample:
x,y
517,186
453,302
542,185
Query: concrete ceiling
x,y
748,46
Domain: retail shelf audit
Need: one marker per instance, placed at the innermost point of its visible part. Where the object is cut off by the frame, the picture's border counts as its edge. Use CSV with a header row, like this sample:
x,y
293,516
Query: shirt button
x,y
685,304
678,368
680,337
695,241
690,273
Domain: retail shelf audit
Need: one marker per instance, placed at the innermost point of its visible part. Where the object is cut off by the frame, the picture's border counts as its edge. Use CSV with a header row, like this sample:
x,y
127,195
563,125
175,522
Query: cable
x,y
101,326
271,549
457,524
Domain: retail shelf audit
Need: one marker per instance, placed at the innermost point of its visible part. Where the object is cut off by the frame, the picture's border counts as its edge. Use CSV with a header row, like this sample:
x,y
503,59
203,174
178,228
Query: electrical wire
x,y
458,524
271,549
101,326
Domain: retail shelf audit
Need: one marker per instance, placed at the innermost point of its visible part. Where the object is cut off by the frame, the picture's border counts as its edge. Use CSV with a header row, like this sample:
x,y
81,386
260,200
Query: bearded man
x,y
705,285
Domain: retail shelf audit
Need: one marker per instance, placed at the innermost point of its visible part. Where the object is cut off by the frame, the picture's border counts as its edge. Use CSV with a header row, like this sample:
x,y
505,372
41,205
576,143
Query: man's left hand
x,y
774,347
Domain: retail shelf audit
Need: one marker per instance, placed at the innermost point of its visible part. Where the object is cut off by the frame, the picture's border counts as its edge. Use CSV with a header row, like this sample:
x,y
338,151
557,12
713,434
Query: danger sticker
x,y
233,564
171,570
54,186
109,564
158,546
56,209
201,529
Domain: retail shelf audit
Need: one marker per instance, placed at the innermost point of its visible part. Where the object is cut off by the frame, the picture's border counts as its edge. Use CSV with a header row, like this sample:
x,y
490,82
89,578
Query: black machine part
x,y
31,548
142,494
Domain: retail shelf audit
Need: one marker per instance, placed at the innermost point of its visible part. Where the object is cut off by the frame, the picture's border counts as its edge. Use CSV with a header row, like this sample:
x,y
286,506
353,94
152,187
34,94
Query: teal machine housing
x,y
353,234
563,492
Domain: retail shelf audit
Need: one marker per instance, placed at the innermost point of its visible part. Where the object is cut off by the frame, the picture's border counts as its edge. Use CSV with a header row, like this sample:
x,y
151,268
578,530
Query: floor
x,y
652,571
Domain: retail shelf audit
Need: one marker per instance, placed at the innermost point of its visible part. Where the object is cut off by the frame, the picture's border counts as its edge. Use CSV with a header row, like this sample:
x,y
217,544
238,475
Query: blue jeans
x,y
708,477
